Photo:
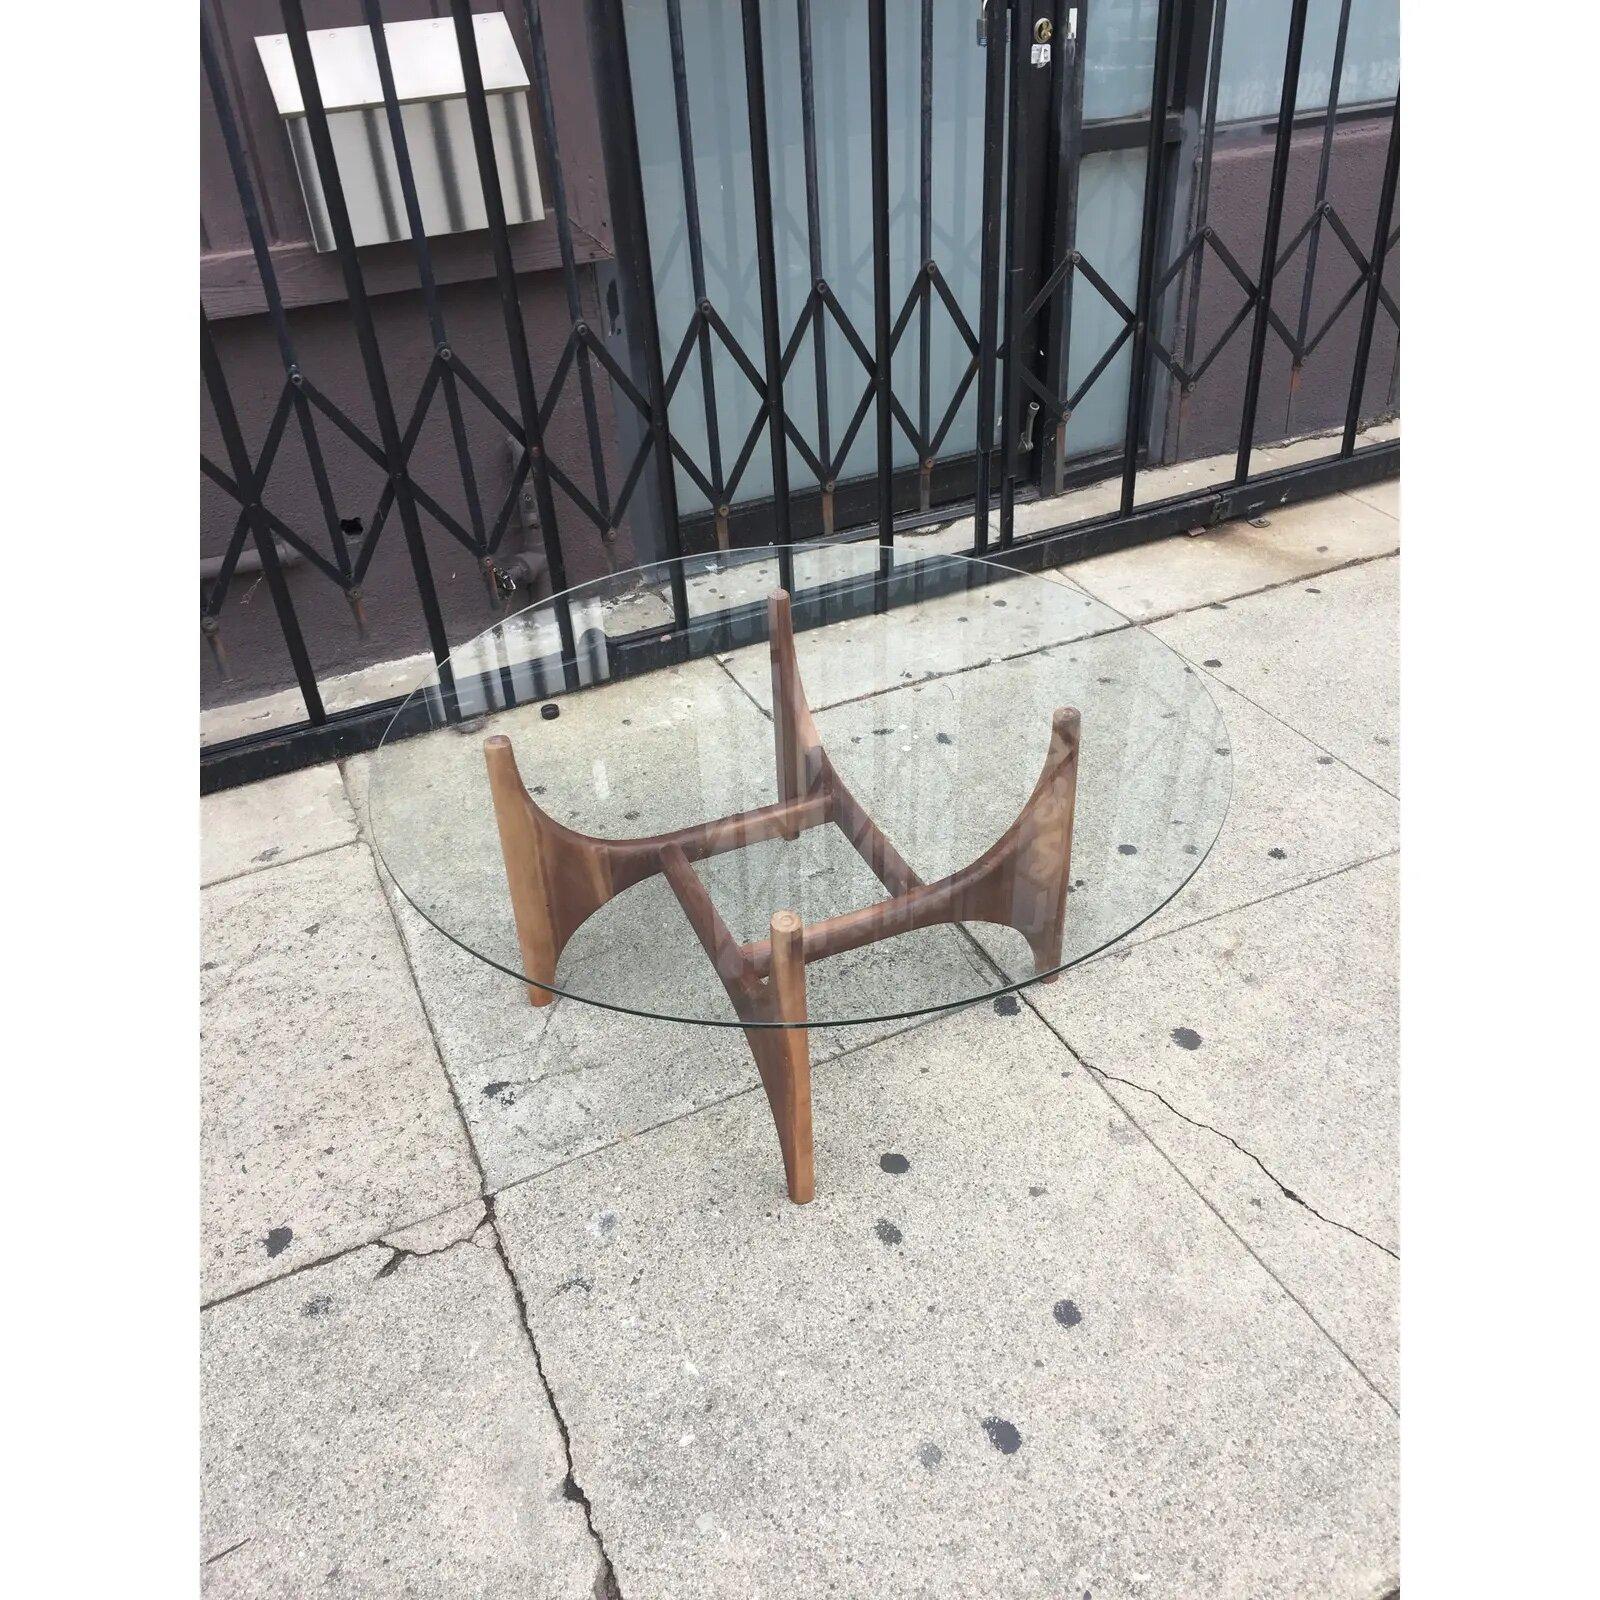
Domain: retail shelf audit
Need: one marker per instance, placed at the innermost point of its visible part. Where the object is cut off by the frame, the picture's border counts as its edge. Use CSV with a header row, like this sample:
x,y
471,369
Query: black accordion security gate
x,y
1011,345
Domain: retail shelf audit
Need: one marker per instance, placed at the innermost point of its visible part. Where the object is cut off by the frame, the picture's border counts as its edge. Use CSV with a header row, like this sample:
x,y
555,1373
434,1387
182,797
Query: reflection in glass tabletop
x,y
901,790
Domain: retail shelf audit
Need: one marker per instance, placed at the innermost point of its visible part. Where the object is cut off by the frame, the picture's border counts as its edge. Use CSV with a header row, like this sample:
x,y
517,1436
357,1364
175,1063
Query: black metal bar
x,y
953,306
857,417
511,312
757,379
994,84
959,394
508,504
865,356
878,87
426,280
1058,276
1144,304
241,526
366,334
244,475
545,100
348,733
1208,144
576,495
1238,321
1369,310
925,252
1020,39
1323,164
1269,242
697,264
1176,265
1107,356
1071,24
808,137
249,205
746,451
1333,316
755,84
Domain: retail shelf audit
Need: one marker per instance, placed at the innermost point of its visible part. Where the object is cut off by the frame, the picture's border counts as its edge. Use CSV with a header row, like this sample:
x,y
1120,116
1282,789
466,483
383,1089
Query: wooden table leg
x,y
526,869
786,1070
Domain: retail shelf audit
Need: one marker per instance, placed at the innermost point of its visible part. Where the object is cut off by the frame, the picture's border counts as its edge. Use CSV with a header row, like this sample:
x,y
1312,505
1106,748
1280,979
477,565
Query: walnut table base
x,y
559,878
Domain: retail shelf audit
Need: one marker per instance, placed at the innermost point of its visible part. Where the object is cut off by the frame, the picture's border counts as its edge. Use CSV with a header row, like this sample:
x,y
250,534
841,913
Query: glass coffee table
x,y
844,791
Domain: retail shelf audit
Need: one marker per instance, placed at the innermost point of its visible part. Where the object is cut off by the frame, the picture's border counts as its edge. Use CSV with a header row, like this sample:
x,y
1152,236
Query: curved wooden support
x,y
803,765
773,1012
559,878
1020,881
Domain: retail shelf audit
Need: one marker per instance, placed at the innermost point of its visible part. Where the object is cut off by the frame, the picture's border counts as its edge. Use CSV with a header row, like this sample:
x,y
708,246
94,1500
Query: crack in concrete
x,y
605,1583
209,1560
1099,1080
817,1066
501,1086
721,661
1267,711
401,1253
1243,594
335,1255
1211,1205
1283,1188
1279,1184
1100,1072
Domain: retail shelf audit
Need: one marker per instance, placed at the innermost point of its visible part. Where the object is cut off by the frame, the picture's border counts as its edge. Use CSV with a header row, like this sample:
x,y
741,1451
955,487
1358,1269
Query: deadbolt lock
x,y
1044,30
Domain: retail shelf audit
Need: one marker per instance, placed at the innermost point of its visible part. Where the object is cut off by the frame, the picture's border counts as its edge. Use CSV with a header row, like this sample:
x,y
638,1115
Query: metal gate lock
x,y
1044,30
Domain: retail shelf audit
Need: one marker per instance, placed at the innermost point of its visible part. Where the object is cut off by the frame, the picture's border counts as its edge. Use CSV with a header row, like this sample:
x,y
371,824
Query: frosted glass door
x,y
713,106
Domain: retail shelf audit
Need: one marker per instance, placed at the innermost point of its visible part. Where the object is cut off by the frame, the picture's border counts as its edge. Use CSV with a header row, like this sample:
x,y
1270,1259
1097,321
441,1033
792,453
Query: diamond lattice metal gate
x,y
893,334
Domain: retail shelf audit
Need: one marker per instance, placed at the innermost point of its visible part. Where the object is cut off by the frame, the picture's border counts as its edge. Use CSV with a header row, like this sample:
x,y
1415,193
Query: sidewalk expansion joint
x,y
1245,594
380,874
1061,576
255,869
605,1585
1123,946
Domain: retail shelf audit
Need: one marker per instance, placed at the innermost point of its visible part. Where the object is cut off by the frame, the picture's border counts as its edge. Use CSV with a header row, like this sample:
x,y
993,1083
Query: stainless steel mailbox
x,y
433,111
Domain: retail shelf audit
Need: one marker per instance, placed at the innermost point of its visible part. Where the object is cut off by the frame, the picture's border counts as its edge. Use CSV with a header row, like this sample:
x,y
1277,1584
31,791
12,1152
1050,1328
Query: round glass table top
x,y
929,774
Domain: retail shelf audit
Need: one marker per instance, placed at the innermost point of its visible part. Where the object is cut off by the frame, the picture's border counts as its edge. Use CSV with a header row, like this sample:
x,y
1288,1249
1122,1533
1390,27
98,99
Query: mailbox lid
x,y
422,54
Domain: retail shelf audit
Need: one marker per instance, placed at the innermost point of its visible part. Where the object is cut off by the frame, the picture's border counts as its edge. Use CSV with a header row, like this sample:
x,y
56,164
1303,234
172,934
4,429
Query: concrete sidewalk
x,y
501,1301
